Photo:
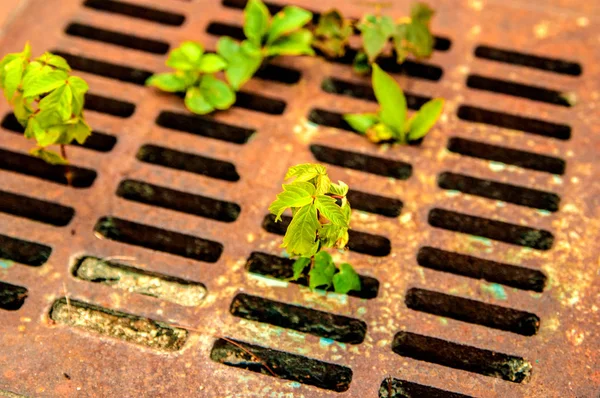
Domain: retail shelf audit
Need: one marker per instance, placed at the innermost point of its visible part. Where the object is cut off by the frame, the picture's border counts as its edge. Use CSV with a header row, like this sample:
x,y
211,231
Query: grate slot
x,y
117,38
109,106
281,268
528,60
23,251
279,74
135,280
100,142
376,204
259,103
120,325
329,119
154,195
362,162
136,11
395,388
159,239
473,311
478,268
226,29
514,122
305,320
196,164
527,160
499,191
284,365
12,297
360,242
31,166
204,126
35,209
491,229
463,357
534,93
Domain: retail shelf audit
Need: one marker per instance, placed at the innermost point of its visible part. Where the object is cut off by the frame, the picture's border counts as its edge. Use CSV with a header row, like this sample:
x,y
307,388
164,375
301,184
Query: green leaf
x,y
286,21
22,109
300,238
79,131
297,194
44,82
330,235
256,21
186,57
78,88
413,38
299,266
339,189
59,100
217,92
296,43
54,60
361,122
346,279
48,156
421,13
322,272
382,132
33,129
50,135
376,31
322,183
305,171
330,210
169,82
13,73
332,34
391,99
243,61
420,124
48,117
195,102
211,63
361,64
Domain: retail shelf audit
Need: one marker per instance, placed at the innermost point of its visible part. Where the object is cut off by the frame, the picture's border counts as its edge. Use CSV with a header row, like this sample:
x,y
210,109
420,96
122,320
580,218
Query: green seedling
x,y
321,218
332,34
267,37
390,124
195,75
46,100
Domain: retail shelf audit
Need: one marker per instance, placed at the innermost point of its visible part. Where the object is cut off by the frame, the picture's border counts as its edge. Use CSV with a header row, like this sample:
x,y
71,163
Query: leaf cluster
x,y
332,34
390,124
46,100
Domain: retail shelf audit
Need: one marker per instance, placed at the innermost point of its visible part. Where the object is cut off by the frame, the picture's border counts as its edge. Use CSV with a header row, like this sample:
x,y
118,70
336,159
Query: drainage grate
x,y
477,247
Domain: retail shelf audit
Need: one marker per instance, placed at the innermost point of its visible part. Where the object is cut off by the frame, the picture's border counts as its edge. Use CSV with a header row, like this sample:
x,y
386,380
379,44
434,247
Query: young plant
x,y
267,37
195,75
46,101
332,34
390,123
321,218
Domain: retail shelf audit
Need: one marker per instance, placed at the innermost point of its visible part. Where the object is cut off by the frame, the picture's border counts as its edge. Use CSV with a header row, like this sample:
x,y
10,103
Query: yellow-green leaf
x,y
256,21
300,238
286,21
361,122
296,43
217,92
195,102
211,63
330,210
169,82
297,194
391,99
420,124
346,279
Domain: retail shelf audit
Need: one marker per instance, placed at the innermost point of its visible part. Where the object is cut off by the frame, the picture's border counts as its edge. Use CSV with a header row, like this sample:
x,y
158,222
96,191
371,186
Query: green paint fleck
x,y
312,125
496,166
500,203
495,290
361,311
325,342
543,212
295,384
443,321
557,179
268,281
481,239
5,264
452,192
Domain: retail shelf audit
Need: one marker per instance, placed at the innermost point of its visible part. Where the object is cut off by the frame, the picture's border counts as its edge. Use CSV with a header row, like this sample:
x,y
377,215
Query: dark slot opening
x,y
204,126
370,203
514,122
97,141
117,38
329,119
159,239
284,365
496,230
531,61
500,191
363,91
167,198
188,162
517,90
23,251
360,242
478,268
306,320
35,209
110,106
279,74
395,388
458,356
12,297
281,268
136,11
442,43
259,103
362,162
241,4
106,69
473,311
527,160
31,166
225,29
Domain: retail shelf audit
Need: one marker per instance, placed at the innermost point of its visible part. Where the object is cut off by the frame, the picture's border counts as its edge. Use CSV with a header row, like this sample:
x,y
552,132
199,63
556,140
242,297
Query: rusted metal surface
x,y
533,331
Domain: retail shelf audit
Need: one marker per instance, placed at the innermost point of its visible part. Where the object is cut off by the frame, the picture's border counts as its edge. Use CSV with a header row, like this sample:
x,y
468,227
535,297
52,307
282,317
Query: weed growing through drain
x,y
390,123
46,101
321,218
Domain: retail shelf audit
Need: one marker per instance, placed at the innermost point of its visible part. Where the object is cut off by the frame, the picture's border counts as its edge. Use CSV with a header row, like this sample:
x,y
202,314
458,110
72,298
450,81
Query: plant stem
x,y
68,172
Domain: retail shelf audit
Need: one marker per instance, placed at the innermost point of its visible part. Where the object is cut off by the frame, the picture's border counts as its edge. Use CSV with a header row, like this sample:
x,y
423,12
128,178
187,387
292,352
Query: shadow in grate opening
x,y
281,364
255,102
360,242
117,38
23,251
35,209
281,268
109,106
479,268
134,280
376,204
395,388
12,297
159,239
136,11
319,323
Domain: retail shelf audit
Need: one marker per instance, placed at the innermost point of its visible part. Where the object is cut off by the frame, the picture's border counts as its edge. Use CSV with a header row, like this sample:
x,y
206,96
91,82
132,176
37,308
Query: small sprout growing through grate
x,y
390,123
332,34
46,101
321,218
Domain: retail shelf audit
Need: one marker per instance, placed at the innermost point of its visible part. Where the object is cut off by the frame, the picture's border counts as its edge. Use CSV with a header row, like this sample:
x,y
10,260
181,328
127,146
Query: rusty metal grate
x,y
158,272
